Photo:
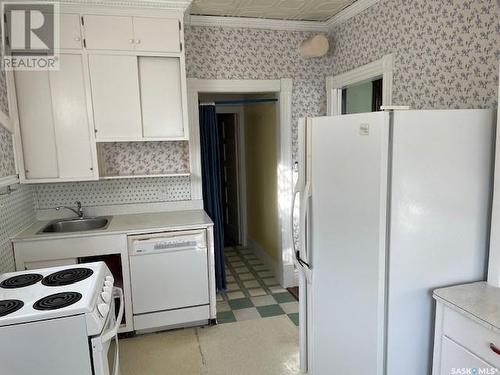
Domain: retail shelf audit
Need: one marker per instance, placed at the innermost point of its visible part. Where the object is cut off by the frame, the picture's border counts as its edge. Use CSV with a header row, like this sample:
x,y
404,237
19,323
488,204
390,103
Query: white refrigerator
x,y
392,205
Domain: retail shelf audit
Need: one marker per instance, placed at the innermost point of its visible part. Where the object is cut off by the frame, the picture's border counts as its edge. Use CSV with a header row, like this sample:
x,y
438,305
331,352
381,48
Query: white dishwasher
x,y
169,278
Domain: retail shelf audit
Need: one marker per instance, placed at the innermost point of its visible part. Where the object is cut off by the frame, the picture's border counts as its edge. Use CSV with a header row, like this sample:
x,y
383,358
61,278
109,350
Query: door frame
x,y
284,269
380,68
238,111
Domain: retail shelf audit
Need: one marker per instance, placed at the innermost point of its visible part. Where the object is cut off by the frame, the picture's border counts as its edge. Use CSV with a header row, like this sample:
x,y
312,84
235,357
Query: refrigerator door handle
x,y
302,254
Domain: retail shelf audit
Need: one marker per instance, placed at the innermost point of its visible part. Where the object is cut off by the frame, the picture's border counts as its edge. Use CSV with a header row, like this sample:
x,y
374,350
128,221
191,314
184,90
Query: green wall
x,y
261,154
359,98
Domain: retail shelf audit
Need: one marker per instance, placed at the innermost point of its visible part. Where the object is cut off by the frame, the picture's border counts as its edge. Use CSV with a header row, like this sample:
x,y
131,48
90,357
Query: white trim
x,y
494,257
257,23
265,257
8,181
239,111
353,10
160,4
286,25
285,183
380,68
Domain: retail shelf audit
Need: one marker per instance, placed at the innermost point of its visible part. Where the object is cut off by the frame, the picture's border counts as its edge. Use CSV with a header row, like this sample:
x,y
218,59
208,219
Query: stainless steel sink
x,y
76,225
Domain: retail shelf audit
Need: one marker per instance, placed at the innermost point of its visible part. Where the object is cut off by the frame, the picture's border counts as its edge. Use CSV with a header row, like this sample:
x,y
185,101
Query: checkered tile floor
x,y
252,290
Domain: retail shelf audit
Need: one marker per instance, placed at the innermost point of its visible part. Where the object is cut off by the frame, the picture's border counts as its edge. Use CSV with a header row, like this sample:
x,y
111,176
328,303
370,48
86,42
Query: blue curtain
x,y
212,193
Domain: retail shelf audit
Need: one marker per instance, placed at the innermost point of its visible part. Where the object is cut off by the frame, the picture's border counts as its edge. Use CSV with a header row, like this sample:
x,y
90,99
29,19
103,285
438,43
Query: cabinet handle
x,y
138,41
494,349
131,41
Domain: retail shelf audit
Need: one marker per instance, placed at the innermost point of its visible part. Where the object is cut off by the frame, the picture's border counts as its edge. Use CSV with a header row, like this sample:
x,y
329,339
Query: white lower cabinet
x,y
455,357
55,130
463,346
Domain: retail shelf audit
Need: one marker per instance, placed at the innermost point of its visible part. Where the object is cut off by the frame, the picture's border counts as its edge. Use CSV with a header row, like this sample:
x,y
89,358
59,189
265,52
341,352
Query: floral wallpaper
x,y
143,158
446,51
7,165
4,106
229,53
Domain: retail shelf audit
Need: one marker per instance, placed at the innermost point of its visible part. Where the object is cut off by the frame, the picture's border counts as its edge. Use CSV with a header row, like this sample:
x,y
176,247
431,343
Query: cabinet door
x,y
455,357
36,124
161,97
109,32
156,34
75,149
70,31
115,97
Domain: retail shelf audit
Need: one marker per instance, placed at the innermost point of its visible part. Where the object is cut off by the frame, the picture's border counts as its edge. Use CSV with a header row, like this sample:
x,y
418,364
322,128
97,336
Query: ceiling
x,y
303,10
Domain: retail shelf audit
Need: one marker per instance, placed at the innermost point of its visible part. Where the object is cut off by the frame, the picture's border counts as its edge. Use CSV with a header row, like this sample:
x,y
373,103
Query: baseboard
x,y
271,263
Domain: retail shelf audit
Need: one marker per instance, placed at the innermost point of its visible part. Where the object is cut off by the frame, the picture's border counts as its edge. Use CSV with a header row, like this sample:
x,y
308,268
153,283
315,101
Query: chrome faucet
x,y
78,210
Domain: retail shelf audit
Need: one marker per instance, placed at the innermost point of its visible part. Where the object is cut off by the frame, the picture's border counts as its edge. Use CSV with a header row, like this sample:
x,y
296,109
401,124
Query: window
x,y
362,97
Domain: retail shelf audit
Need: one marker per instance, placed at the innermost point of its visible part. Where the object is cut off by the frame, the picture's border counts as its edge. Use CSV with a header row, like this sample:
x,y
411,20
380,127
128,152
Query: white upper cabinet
x,y
56,134
115,96
157,34
75,148
70,34
36,124
161,97
124,33
109,32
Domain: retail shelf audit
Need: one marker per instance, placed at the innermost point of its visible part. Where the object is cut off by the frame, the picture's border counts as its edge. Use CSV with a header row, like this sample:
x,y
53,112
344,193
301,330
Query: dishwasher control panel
x,y
165,242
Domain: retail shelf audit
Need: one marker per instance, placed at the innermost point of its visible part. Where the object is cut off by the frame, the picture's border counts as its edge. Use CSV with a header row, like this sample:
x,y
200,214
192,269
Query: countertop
x,y
478,301
127,224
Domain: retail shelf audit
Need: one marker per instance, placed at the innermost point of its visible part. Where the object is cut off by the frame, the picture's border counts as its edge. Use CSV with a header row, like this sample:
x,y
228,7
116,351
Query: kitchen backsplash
x,y
16,213
446,52
143,158
113,192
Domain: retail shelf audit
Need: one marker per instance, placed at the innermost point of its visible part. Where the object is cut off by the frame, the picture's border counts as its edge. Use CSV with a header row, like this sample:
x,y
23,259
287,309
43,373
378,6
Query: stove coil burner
x,y
20,281
57,301
67,277
9,306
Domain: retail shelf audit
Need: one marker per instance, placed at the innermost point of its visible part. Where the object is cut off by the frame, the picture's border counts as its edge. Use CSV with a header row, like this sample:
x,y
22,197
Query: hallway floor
x,y
262,346
252,290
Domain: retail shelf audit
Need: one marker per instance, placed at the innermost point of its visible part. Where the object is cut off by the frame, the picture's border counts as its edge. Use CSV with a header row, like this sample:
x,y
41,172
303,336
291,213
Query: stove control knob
x,y
108,283
106,297
103,309
109,278
107,289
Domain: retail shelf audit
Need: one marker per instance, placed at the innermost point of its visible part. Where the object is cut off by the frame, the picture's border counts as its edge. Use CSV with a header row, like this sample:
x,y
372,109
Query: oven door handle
x,y
112,332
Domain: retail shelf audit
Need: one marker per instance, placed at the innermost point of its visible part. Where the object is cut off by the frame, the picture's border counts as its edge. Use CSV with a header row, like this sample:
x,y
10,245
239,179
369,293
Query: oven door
x,y
105,346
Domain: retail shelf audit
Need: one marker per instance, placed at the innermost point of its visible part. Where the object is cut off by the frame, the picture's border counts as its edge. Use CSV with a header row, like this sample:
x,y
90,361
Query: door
x,y
75,146
157,34
115,97
70,35
36,121
348,166
109,32
440,205
161,97
54,121
228,143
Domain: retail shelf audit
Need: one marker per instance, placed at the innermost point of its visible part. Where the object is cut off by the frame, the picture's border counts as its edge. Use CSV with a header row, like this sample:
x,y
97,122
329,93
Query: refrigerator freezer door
x,y
349,169
439,222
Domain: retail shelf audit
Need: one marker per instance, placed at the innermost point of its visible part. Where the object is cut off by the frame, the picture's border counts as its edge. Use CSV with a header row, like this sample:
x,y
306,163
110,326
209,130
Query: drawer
x,y
472,336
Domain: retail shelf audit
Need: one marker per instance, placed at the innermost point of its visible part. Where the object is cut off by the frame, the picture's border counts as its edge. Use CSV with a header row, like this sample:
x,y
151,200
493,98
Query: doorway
x,y
281,89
